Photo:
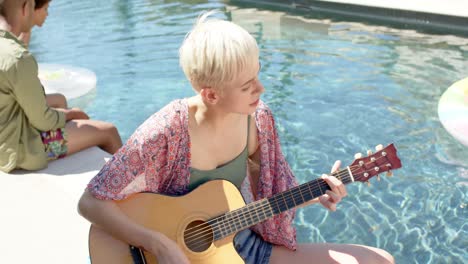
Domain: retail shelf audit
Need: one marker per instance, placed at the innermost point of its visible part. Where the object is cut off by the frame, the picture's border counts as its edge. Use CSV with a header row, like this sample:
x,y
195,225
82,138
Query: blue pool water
x,y
336,88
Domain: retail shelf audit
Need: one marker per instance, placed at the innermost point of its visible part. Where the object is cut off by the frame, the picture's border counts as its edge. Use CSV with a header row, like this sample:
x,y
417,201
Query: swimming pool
x,y
336,88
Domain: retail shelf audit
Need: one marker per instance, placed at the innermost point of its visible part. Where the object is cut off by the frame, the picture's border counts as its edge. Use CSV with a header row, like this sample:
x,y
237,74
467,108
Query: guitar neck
x,y
259,211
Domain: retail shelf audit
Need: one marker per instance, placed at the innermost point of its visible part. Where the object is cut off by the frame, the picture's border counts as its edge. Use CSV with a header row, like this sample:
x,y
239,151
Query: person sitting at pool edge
x,y
41,11
31,132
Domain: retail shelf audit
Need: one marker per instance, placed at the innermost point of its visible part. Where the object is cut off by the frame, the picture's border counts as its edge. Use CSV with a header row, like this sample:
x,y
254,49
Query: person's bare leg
x,y
82,134
56,100
331,254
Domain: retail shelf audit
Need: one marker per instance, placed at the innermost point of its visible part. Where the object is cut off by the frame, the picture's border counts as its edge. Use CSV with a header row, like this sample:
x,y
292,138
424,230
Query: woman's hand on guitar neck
x,y
338,190
166,250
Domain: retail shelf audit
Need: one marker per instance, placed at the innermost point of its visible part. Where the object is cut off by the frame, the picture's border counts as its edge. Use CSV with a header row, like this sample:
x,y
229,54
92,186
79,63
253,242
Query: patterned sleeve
x,y
137,166
275,176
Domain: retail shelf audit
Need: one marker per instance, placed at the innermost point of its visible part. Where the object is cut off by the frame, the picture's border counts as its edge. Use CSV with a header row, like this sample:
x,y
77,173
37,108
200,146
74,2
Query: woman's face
x,y
40,15
242,94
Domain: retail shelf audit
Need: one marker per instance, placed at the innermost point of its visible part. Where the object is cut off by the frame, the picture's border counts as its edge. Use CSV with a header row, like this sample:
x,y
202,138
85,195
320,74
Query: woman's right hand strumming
x,y
104,213
166,250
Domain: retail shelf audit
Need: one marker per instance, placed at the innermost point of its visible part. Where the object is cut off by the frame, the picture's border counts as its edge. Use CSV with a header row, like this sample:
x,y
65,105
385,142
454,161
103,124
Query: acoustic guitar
x,y
204,222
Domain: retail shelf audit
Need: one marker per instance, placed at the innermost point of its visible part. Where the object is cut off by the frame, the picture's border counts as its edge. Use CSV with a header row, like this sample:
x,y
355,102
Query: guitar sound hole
x,y
198,236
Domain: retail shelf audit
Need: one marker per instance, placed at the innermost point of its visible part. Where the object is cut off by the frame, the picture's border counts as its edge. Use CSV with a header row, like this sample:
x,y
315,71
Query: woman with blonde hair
x,y
223,132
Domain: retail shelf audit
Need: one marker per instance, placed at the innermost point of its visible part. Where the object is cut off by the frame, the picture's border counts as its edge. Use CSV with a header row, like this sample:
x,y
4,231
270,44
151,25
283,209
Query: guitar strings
x,y
340,173
228,219
207,237
262,207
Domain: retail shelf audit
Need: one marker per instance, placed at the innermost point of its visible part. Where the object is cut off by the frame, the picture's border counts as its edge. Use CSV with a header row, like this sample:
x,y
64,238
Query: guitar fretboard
x,y
259,211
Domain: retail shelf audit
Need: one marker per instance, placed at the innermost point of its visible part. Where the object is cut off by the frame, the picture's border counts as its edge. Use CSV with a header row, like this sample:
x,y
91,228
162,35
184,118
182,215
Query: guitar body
x,y
204,222
173,216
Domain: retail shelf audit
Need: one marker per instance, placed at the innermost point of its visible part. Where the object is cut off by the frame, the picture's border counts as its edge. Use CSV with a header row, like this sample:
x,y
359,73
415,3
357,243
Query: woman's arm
x,y
138,166
108,216
328,200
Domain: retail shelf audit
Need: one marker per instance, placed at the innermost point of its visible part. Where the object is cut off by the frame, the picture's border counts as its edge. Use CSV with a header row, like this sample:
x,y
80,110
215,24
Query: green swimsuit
x,y
233,171
250,246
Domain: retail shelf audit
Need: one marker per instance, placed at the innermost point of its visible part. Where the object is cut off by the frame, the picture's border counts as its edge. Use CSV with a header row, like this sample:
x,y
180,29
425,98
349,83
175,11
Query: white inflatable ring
x,y
453,111
70,81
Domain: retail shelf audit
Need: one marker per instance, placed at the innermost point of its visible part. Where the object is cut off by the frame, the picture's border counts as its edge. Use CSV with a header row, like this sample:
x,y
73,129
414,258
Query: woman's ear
x,y
209,95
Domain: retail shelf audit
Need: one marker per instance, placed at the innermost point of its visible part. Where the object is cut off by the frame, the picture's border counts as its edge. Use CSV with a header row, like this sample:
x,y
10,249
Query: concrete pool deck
x,y
40,222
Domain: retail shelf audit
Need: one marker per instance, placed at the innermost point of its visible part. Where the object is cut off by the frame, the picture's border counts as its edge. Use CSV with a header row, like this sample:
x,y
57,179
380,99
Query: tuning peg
x,y
389,173
379,147
358,155
369,152
368,183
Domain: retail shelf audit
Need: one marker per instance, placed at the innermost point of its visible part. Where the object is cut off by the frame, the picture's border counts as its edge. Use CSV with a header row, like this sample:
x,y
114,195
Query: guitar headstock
x,y
383,160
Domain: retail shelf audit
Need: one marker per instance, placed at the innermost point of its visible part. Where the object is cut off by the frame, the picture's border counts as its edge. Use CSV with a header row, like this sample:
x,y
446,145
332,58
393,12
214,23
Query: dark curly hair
x,y
41,3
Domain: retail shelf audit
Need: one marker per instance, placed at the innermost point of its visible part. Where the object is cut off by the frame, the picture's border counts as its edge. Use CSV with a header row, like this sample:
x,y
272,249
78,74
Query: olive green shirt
x,y
23,108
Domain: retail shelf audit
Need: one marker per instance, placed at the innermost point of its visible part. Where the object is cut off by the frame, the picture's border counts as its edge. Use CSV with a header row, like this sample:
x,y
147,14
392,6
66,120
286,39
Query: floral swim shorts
x,y
55,143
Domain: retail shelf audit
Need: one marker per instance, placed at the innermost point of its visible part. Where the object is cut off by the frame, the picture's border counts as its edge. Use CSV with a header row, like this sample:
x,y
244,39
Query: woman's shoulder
x,y
262,106
176,109
263,112
170,119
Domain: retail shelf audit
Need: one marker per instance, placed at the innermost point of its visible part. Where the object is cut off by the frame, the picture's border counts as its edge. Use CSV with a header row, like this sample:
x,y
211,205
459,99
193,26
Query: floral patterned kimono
x,y
156,159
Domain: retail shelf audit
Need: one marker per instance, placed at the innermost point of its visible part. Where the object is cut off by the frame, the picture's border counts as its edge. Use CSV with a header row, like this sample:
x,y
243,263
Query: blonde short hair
x,y
215,51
